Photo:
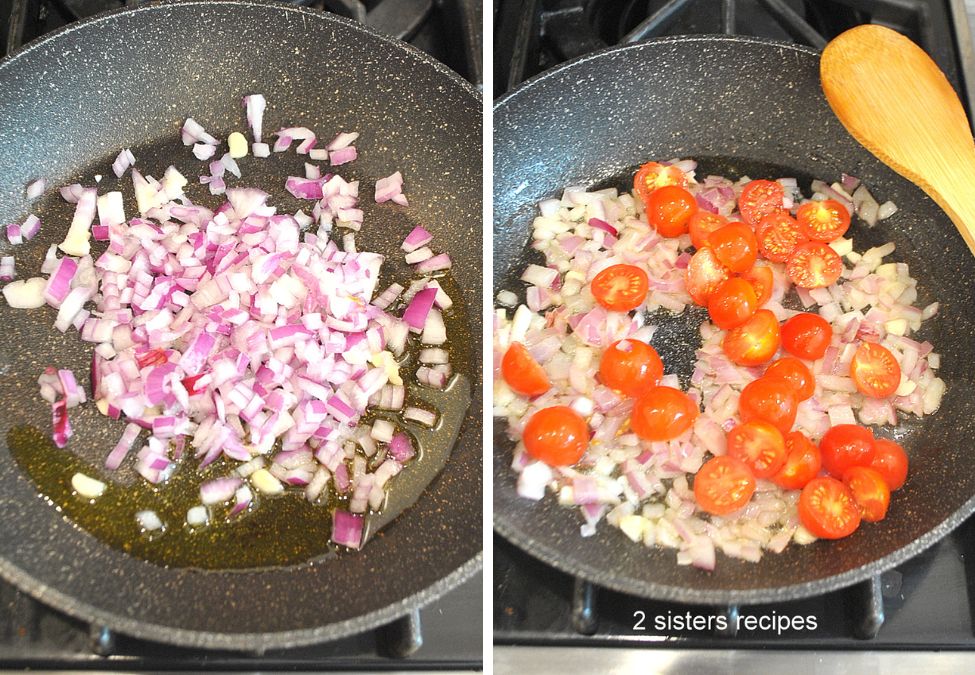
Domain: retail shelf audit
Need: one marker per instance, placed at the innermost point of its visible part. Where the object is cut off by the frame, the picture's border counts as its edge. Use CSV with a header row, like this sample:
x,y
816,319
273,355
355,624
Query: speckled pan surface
x,y
739,105
67,104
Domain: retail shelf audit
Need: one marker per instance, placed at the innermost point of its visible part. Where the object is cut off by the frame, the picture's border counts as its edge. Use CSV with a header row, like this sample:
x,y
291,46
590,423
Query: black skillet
x,y
740,106
68,103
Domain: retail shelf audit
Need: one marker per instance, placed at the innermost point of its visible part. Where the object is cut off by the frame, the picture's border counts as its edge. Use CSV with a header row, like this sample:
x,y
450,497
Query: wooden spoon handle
x,y
899,105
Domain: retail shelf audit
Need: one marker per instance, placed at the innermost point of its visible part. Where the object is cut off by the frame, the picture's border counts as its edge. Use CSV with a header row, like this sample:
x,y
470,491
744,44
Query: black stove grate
x,y
924,603
534,35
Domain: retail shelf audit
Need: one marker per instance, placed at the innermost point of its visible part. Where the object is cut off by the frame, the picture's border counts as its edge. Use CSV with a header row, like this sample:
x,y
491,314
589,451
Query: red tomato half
x,y
823,221
771,400
759,199
761,279
653,175
620,287
795,372
735,246
669,208
827,509
806,336
753,342
869,491
557,436
522,372
890,461
630,366
702,224
778,236
802,462
759,445
814,265
875,370
663,413
732,303
704,274
723,484
846,445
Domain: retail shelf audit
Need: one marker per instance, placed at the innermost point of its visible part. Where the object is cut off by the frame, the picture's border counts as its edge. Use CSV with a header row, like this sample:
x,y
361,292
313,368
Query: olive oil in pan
x,y
281,530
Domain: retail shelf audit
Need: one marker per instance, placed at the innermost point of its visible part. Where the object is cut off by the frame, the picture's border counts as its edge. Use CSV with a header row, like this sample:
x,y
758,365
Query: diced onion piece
x,y
197,516
149,521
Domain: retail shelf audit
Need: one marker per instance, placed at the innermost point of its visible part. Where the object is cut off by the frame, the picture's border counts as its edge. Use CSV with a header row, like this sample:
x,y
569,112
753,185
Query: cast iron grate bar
x,y
584,617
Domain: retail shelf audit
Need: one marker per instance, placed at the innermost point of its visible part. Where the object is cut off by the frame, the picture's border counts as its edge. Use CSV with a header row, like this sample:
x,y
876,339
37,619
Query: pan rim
x,y
656,591
25,582
320,15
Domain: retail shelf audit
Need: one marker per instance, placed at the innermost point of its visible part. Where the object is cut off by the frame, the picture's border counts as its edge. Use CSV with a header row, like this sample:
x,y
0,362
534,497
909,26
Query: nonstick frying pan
x,y
739,106
68,103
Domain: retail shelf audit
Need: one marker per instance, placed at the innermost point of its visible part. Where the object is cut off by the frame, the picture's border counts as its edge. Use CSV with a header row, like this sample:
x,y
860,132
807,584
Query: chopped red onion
x,y
255,105
36,188
419,309
424,417
417,237
347,529
124,160
7,270
204,151
122,448
389,188
192,133
437,263
30,228
343,140
219,490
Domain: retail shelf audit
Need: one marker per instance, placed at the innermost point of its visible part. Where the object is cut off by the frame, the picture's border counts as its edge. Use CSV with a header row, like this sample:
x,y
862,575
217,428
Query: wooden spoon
x,y
898,104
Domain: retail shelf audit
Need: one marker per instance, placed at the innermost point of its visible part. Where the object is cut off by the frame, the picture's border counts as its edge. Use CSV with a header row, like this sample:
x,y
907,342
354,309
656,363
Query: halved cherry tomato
x,y
890,461
802,462
761,279
759,445
814,265
846,445
806,336
869,491
823,221
771,400
620,287
653,175
732,304
663,413
735,246
522,372
778,235
723,484
557,436
630,366
753,342
827,509
669,208
875,370
704,275
759,199
702,224
796,373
